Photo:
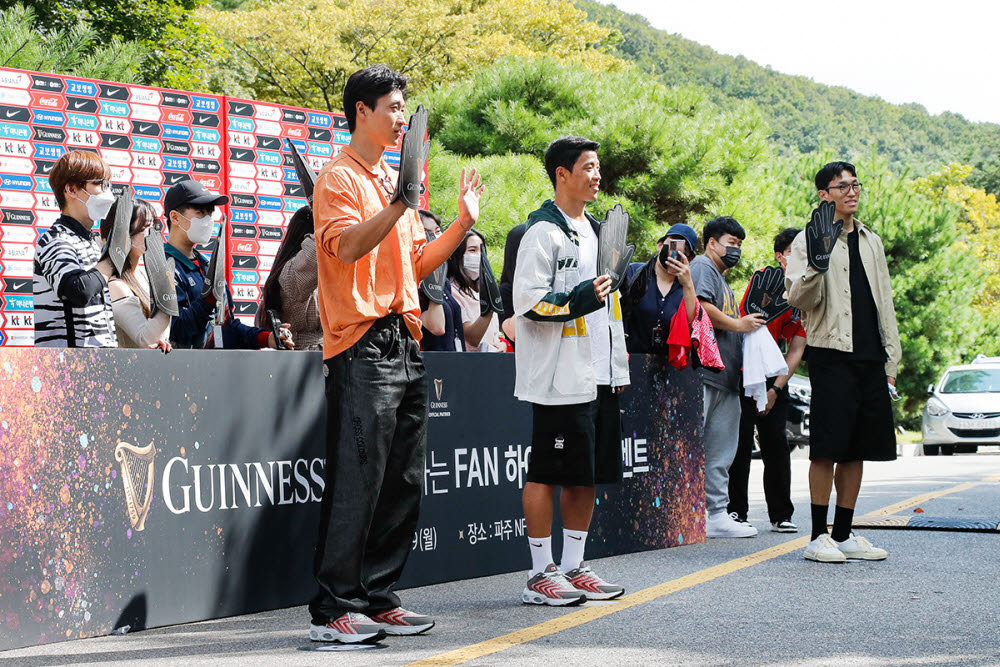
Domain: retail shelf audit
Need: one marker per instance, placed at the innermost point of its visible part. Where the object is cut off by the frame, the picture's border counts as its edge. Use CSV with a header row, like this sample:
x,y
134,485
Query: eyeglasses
x,y
387,185
103,182
846,187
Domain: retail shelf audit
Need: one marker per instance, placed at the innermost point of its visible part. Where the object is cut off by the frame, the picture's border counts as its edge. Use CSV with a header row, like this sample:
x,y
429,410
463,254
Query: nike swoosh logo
x,y
11,114
243,309
17,286
77,105
143,128
46,169
242,262
536,545
294,190
240,155
239,109
112,142
574,537
112,91
202,119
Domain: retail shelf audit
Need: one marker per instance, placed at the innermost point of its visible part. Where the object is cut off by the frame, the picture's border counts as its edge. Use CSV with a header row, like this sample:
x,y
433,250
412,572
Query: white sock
x,y
541,553
573,543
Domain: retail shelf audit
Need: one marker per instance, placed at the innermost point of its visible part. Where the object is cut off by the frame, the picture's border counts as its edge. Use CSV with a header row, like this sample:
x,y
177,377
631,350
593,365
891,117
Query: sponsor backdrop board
x,y
143,490
152,138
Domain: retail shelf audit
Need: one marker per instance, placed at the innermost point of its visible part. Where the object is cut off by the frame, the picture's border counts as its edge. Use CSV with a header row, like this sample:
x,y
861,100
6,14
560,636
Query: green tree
x,y
75,49
303,55
668,152
175,48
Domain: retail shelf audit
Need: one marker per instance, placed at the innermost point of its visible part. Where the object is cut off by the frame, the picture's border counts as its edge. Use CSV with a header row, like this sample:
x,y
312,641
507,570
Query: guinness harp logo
x,y
137,478
438,387
766,300
828,243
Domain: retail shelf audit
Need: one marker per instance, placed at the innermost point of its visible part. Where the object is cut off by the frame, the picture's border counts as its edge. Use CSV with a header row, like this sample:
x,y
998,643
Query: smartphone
x,y
676,248
279,333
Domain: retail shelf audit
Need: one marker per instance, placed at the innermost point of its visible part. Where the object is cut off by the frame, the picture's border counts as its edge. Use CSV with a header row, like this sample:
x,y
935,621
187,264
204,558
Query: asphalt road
x,y
935,601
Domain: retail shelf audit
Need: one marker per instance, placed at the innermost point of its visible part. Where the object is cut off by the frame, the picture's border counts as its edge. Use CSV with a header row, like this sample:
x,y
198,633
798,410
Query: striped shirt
x,y
61,254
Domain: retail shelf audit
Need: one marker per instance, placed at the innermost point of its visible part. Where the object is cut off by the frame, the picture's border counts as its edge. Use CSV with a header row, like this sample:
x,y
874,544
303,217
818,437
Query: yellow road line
x,y
994,478
588,614
922,498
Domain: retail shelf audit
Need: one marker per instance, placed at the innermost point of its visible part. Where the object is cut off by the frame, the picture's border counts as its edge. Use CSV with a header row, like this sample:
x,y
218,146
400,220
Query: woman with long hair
x,y
292,287
135,324
482,332
441,322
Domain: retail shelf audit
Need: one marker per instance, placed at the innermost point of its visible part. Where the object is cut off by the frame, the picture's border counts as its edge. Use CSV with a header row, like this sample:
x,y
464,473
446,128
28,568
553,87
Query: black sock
x,y
843,517
819,513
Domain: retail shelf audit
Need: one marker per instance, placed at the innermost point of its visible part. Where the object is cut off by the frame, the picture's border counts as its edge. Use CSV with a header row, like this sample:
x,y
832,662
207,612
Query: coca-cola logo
x,y
52,102
179,116
245,247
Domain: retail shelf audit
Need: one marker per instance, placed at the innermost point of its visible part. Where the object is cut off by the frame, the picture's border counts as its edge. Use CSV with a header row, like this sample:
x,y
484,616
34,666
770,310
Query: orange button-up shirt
x,y
352,296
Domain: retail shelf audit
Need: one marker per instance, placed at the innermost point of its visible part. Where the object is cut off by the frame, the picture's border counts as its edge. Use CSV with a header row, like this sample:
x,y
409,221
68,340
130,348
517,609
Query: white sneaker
x,y
784,527
824,550
723,525
859,548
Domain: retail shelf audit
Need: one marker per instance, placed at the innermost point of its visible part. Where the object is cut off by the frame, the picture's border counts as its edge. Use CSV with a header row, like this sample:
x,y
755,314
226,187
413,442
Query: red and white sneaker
x,y
551,587
351,628
399,621
595,588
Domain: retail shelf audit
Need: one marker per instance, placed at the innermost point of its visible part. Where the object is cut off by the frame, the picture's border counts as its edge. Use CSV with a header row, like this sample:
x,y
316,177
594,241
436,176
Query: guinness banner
x,y
143,490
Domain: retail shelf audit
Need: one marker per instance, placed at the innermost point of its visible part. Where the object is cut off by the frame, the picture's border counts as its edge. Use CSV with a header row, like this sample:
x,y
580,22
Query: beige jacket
x,y
825,298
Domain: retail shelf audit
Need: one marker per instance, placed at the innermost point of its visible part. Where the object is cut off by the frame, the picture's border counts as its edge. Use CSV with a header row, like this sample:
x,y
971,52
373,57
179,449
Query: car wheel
x,y
947,450
966,449
931,450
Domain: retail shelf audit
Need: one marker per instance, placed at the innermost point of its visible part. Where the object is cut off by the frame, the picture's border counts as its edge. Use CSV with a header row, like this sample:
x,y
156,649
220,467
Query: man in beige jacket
x,y
838,277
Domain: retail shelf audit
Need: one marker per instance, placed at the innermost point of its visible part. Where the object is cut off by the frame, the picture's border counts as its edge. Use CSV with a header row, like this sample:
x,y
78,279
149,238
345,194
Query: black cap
x,y
190,193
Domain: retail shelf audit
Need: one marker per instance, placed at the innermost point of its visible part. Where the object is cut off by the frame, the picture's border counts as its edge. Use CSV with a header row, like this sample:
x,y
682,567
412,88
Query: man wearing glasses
x,y
839,279
72,302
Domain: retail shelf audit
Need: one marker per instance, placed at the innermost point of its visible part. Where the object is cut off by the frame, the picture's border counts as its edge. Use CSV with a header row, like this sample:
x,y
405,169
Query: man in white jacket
x,y
571,365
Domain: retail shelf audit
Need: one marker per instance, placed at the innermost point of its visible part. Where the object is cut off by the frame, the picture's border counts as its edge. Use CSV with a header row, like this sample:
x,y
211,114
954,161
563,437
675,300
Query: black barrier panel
x,y
145,490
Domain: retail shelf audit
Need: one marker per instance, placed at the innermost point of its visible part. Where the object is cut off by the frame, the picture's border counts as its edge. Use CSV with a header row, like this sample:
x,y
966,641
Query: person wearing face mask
x,y
722,237
72,302
136,325
188,208
655,291
441,323
482,332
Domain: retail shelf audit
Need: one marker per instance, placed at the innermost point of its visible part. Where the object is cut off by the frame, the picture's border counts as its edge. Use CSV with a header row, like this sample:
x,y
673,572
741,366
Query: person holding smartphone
x,y
656,290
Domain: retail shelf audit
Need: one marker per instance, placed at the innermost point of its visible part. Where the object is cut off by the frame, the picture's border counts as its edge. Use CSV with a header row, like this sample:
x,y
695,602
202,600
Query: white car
x,y
963,411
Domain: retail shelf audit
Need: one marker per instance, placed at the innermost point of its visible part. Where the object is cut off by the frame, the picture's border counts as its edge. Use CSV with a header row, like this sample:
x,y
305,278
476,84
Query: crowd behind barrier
x,y
364,277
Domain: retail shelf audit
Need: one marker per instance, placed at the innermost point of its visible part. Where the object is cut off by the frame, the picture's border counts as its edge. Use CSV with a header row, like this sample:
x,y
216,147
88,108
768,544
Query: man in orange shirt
x,y
372,253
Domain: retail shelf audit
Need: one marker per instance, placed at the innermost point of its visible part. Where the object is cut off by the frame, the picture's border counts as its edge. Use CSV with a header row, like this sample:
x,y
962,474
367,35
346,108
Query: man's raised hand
x,y
821,235
469,191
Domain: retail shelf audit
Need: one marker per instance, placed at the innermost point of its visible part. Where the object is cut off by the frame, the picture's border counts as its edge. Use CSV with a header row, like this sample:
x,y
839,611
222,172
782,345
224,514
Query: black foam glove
x,y
215,276
489,290
766,295
160,272
613,253
821,235
433,285
307,177
120,241
412,158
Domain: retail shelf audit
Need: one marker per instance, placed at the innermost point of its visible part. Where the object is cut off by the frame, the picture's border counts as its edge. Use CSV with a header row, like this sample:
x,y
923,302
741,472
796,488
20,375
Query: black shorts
x,y
579,444
850,416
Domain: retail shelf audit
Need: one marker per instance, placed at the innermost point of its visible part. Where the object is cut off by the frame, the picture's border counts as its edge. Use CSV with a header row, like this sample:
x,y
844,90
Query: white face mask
x,y
471,264
200,230
98,205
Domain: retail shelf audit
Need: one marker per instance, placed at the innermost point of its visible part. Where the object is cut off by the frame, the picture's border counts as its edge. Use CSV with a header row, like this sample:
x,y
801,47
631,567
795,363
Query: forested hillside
x,y
805,116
